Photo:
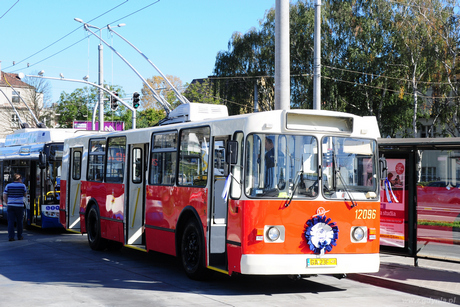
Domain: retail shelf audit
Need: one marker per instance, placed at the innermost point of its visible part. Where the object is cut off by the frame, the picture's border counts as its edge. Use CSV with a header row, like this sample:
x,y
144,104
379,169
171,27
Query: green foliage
x,y
75,107
79,106
149,117
201,91
397,61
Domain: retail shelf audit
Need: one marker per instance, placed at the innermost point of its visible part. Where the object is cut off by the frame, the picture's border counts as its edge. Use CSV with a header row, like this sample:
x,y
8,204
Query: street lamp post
x,y
100,70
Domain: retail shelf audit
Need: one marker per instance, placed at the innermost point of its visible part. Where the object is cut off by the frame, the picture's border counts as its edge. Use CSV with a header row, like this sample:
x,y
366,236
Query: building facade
x,y
14,94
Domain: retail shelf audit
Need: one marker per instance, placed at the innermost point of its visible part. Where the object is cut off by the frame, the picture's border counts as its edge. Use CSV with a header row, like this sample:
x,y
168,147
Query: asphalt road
x,y
51,268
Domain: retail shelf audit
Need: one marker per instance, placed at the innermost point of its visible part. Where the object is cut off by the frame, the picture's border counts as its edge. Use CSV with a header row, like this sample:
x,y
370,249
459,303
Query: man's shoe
x,y
20,238
11,239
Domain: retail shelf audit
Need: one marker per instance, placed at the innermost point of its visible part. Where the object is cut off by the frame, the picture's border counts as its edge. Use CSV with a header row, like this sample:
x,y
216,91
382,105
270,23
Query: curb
x,y
406,288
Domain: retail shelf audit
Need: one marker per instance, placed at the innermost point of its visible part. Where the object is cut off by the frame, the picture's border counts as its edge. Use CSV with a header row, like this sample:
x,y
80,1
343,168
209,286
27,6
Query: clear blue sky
x,y
181,37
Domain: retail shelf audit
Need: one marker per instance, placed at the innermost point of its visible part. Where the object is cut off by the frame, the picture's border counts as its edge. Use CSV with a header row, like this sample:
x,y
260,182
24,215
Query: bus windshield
x,y
281,166
349,168
288,166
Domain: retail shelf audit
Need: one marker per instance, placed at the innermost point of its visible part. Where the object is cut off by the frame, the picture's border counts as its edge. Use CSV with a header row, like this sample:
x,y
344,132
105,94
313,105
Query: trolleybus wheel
x,y
192,251
114,246
93,229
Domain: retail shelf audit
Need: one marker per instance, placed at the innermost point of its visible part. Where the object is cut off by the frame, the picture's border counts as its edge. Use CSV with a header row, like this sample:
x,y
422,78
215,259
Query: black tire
x,y
93,229
114,246
192,251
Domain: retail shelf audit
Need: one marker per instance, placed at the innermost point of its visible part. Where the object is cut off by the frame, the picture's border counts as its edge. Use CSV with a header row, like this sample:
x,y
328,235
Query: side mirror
x,y
42,160
232,152
383,168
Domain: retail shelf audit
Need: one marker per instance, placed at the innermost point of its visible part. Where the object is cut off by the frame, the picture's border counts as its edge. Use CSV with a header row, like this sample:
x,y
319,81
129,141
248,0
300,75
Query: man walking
x,y
13,195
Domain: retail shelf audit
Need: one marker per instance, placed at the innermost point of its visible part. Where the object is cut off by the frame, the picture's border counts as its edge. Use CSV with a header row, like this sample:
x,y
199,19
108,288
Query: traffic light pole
x,y
133,110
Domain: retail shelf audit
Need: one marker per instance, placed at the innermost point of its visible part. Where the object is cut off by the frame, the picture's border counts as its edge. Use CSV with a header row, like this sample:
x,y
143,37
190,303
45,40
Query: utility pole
x,y
282,56
101,83
317,58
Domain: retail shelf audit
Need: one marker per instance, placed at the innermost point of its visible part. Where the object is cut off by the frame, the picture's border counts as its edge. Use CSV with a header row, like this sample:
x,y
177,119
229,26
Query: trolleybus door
x,y
218,221
134,223
74,189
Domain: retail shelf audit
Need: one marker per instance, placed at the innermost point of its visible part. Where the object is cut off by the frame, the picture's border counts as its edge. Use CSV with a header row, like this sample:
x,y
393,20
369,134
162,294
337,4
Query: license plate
x,y
321,262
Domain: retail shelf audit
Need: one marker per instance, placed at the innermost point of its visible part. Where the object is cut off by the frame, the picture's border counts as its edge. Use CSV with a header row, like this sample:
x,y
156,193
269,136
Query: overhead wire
x,y
29,65
9,9
79,27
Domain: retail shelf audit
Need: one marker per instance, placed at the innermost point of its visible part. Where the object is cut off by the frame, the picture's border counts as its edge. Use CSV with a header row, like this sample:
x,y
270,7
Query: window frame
x,y
115,161
75,165
164,151
102,154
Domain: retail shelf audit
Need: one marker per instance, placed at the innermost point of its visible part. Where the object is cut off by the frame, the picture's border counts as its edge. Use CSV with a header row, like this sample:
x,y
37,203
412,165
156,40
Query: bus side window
x,y
237,169
137,165
194,156
164,157
116,154
96,158
76,163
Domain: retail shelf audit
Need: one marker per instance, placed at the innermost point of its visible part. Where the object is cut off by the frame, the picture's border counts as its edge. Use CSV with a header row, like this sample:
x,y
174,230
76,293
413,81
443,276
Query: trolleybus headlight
x,y
358,233
273,233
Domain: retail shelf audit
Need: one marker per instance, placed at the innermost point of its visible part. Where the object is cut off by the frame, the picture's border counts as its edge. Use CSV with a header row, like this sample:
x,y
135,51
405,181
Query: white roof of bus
x,y
290,121
40,136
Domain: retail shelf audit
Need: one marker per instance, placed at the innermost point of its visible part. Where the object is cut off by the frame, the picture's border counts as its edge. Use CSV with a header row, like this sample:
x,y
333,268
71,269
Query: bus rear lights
x,y
358,234
372,234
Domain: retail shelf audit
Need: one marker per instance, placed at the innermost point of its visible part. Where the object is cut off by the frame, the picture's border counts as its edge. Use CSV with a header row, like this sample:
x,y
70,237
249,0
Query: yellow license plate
x,y
321,262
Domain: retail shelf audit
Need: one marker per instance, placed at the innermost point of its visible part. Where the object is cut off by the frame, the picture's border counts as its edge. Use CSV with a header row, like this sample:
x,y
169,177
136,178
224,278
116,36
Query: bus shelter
x,y
420,198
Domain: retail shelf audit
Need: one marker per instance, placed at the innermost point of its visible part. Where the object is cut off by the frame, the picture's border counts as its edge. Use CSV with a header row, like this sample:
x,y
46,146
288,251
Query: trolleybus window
x,y
96,159
137,165
281,166
237,170
194,153
76,163
116,153
164,157
349,168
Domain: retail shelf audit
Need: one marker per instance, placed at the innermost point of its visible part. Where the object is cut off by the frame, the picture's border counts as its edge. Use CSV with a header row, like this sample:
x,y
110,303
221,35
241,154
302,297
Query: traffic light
x,y
136,102
113,101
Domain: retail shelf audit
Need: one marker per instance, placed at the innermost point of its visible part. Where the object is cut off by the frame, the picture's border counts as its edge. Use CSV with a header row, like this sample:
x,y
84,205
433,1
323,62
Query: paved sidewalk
x,y
434,279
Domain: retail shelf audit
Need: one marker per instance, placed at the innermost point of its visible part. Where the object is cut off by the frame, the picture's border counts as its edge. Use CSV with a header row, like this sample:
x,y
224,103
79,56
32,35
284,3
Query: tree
x,y
149,117
79,105
75,107
161,88
378,58
241,68
39,98
201,90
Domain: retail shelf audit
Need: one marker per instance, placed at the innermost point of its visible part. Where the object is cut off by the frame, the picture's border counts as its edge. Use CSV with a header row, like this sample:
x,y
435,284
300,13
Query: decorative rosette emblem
x,y
321,234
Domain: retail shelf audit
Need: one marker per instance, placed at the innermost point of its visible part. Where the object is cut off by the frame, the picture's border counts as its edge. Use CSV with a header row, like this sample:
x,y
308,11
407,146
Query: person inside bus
x,y
13,196
269,163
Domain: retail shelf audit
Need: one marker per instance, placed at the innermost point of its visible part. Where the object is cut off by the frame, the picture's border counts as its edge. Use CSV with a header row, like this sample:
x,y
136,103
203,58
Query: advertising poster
x,y
392,208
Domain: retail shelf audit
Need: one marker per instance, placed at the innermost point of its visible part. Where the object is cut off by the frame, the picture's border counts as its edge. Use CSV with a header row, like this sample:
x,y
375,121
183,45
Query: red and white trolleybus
x,y
270,193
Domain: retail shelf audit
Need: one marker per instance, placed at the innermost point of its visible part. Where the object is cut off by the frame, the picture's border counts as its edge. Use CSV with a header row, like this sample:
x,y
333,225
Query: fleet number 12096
x,y
366,214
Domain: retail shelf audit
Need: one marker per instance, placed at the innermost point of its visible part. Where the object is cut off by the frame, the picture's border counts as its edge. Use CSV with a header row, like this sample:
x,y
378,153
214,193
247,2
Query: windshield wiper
x,y
339,175
336,170
296,184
